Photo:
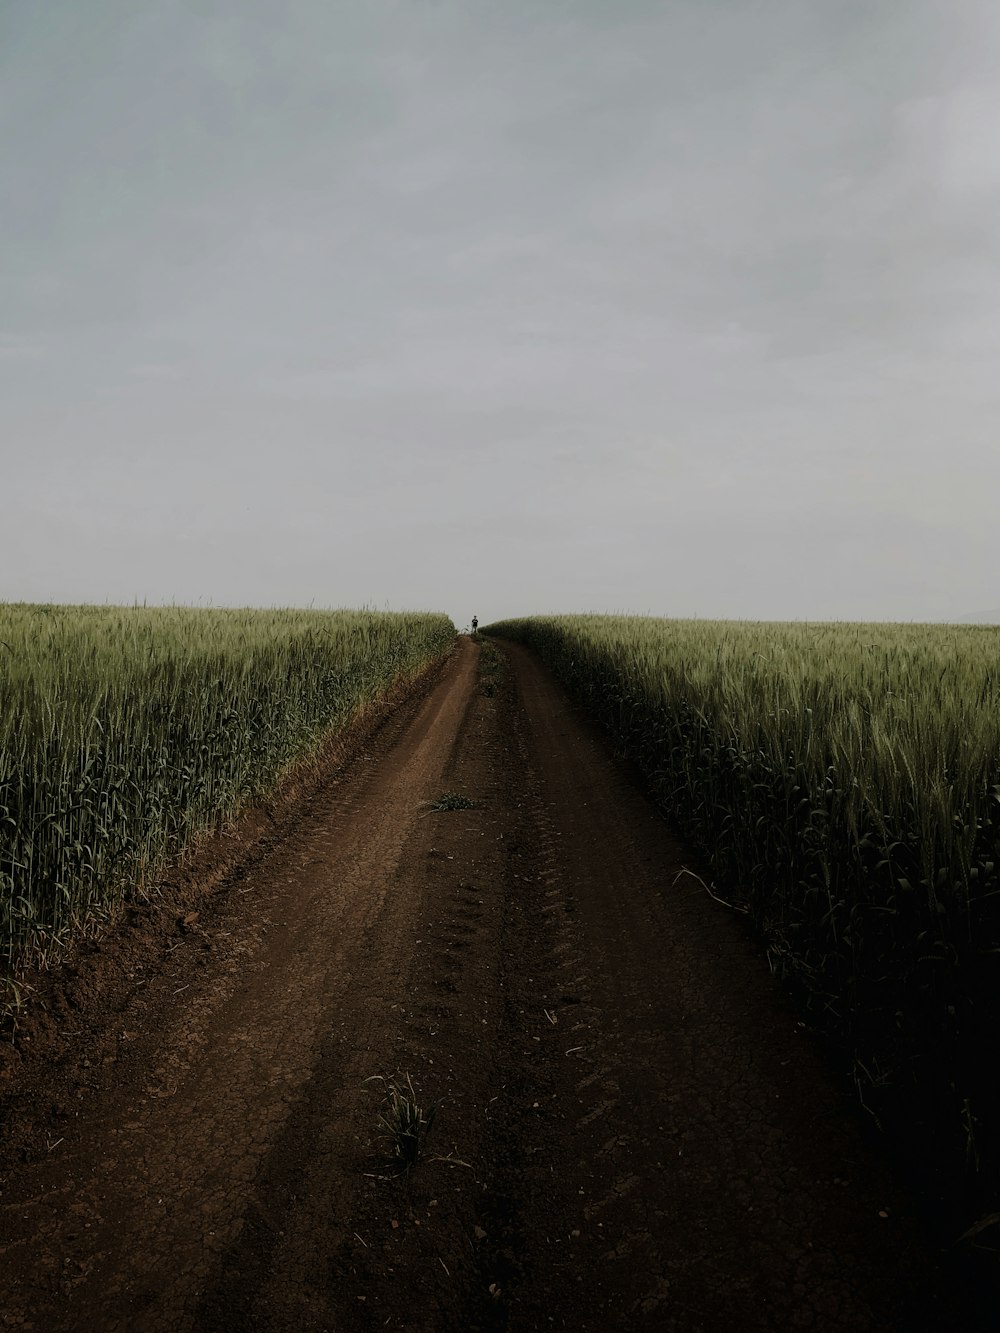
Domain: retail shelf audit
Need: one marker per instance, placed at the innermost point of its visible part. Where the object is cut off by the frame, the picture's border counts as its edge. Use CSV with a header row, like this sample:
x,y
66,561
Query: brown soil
x,y
633,1131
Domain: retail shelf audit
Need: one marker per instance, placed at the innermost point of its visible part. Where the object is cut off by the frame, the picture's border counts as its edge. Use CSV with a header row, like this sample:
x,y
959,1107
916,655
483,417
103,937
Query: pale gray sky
x,y
688,308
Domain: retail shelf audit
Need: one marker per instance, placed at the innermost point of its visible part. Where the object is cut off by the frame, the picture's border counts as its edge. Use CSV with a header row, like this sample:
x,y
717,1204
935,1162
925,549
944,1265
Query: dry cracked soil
x,y
632,1129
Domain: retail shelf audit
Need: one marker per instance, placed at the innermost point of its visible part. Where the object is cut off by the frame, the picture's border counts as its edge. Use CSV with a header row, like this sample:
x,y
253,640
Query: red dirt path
x,y
633,1131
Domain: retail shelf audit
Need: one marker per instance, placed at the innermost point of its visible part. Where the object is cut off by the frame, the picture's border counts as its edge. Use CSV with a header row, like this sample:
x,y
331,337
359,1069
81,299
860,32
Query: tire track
x,y
177,1186
675,1176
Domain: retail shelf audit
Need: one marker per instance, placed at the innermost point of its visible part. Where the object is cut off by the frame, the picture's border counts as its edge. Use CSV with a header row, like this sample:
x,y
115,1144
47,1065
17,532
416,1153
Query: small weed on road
x,y
453,800
405,1124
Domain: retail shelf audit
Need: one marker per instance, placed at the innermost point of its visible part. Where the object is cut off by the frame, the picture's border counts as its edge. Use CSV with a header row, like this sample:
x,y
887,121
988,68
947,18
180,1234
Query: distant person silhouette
x,y
475,623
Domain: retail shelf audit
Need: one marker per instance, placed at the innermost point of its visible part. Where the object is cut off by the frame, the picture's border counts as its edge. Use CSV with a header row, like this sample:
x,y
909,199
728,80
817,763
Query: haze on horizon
x,y
676,309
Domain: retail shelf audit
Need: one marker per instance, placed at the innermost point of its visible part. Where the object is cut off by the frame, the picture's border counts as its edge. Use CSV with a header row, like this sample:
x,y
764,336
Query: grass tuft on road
x,y
453,800
404,1122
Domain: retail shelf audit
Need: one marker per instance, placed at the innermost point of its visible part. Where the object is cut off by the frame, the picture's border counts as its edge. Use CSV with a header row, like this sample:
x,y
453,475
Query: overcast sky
x,y
686,308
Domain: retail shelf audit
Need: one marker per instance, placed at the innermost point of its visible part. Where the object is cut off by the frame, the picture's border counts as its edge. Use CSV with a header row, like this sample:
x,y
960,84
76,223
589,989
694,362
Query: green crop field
x,y
124,732
842,784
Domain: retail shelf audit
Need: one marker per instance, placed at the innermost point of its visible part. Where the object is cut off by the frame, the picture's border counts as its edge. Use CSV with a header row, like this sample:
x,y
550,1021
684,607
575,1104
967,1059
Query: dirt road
x,y
632,1129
